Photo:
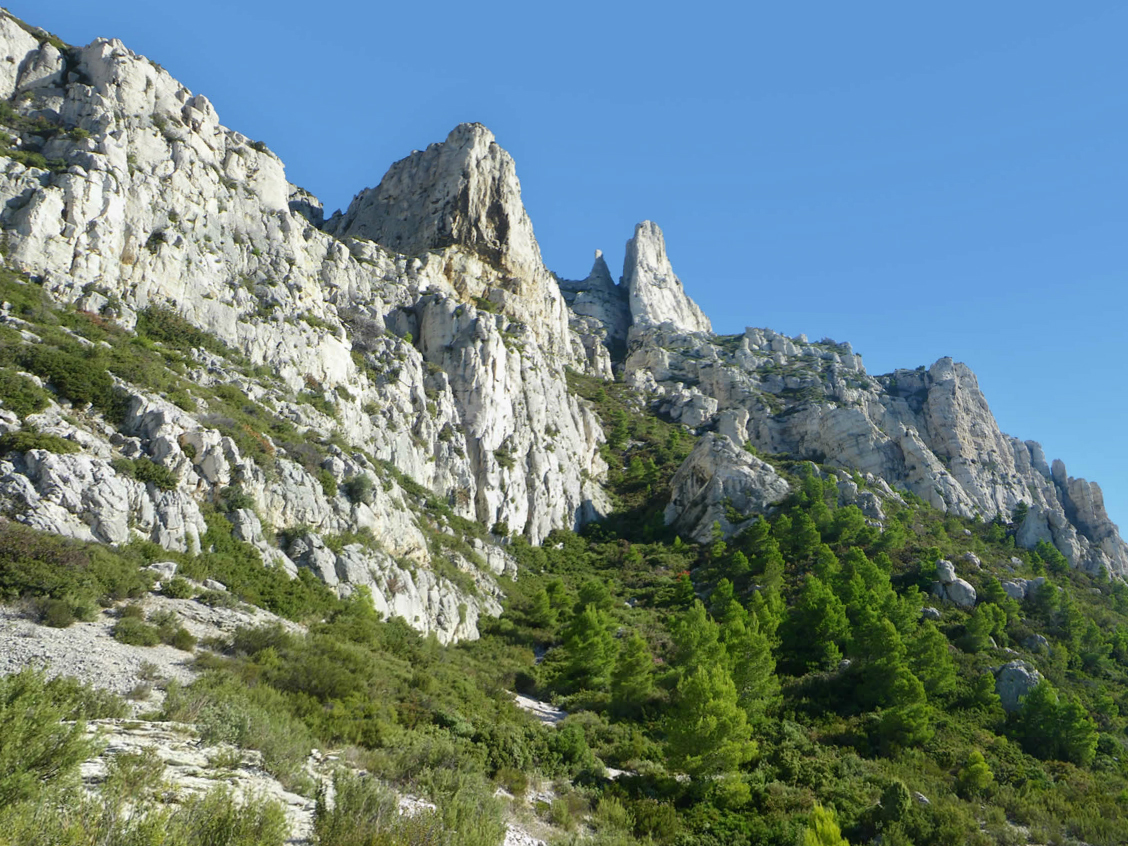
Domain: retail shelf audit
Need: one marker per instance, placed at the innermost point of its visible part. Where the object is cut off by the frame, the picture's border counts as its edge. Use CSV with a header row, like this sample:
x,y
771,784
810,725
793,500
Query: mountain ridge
x,y
464,344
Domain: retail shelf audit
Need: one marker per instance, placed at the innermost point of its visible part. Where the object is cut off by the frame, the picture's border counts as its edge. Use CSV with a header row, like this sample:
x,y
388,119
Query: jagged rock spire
x,y
598,298
655,293
463,191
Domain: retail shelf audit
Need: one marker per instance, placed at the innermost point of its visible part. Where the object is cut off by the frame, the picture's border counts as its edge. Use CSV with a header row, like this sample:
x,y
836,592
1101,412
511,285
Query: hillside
x,y
772,592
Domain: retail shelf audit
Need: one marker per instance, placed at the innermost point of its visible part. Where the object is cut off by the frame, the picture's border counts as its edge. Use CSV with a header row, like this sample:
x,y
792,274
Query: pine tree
x,y
1077,733
632,682
697,641
815,628
822,829
590,649
594,593
768,609
753,667
931,662
975,776
909,721
707,731
749,653
541,613
805,538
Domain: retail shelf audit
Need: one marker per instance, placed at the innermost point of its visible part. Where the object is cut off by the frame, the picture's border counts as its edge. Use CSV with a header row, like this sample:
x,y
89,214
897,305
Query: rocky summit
x,y
430,344
213,393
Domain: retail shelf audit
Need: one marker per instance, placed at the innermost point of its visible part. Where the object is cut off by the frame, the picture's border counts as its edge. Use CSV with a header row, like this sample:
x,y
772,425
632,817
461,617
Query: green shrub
x,y
359,488
39,564
218,599
217,819
148,471
20,395
182,639
366,813
513,780
159,323
227,711
136,632
26,439
36,746
328,482
57,613
77,373
67,815
178,588
233,498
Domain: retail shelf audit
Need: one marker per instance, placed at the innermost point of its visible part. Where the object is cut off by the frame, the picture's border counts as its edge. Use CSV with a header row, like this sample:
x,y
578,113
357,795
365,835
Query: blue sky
x,y
920,182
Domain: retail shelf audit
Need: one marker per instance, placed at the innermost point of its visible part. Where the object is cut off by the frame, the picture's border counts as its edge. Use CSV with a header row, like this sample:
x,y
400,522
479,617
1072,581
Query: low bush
x,y
359,488
178,588
366,813
136,632
182,639
147,471
36,745
20,395
26,440
39,564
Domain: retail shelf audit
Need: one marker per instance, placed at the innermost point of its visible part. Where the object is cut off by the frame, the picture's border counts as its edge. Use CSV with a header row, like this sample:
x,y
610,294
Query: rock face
x,y
655,292
599,304
928,431
720,482
405,366
463,193
447,367
1013,681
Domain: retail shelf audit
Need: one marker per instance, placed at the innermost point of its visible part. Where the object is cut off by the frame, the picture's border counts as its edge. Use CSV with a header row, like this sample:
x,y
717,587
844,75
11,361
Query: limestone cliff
x,y
397,373
930,431
122,193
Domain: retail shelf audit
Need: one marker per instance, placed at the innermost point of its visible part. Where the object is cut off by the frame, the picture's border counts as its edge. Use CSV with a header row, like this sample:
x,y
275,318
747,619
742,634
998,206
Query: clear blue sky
x,y
921,182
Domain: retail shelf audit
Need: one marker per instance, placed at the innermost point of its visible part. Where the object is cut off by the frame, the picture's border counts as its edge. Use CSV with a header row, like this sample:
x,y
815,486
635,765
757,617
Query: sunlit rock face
x,y
427,321
655,292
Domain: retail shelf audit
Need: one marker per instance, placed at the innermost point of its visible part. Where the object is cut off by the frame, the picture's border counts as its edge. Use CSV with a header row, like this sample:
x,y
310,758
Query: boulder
x,y
945,572
1013,681
960,593
716,479
164,570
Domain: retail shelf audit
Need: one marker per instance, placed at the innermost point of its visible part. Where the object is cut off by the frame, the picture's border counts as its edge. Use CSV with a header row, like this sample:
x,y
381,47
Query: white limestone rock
x,y
945,572
655,293
464,193
716,476
602,301
1014,681
927,431
960,593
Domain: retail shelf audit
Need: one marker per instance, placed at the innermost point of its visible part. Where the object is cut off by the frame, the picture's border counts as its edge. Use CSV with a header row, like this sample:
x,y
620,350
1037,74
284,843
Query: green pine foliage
x,y
708,732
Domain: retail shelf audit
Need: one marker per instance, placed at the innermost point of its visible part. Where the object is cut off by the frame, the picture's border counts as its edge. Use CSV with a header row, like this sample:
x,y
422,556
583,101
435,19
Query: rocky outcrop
x,y
427,601
1013,681
928,431
600,311
1023,589
448,365
721,483
464,193
950,588
655,293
